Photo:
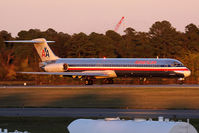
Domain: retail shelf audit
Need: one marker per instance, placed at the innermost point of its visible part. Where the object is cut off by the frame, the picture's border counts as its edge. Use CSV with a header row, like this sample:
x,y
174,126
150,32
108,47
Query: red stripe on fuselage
x,y
130,69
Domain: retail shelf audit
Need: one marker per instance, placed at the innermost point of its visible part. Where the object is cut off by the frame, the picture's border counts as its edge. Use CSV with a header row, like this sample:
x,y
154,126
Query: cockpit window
x,y
176,64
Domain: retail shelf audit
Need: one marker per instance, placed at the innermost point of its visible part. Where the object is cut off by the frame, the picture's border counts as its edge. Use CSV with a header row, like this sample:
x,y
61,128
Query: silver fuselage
x,y
126,67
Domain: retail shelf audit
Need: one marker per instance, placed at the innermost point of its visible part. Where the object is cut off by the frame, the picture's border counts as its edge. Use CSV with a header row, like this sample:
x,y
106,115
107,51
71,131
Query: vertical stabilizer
x,y
44,50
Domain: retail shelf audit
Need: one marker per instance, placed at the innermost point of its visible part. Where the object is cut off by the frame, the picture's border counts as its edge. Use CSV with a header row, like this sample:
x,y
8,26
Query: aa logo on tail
x,y
45,52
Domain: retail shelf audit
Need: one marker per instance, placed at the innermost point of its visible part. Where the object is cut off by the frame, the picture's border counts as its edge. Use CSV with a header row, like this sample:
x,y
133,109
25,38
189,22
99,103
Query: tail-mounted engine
x,y
60,67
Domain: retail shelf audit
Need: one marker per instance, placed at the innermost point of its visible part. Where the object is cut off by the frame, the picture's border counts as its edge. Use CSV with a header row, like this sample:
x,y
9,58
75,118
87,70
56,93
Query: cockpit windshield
x,y
177,64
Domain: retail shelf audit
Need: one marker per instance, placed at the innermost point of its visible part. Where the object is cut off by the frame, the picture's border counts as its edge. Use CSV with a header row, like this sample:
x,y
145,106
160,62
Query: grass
x,y
139,98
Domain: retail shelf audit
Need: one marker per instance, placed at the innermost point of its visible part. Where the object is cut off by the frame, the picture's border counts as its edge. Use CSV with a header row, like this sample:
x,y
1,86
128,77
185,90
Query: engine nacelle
x,y
60,67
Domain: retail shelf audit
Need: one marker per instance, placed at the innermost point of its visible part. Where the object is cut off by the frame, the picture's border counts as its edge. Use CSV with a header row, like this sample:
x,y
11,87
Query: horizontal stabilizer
x,y
29,41
41,45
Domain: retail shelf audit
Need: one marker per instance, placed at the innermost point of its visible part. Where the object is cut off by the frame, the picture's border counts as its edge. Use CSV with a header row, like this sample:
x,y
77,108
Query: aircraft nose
x,y
187,73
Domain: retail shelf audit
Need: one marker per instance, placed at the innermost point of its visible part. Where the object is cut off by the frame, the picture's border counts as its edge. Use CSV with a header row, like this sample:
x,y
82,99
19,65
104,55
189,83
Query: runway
x,y
101,96
93,112
91,101
106,86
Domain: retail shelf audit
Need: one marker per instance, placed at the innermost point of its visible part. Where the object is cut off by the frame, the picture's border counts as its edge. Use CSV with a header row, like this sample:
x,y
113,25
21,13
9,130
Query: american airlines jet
x,y
90,69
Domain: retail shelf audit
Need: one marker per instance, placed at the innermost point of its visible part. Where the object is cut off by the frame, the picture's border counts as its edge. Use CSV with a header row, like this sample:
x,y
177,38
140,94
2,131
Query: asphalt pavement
x,y
106,86
93,112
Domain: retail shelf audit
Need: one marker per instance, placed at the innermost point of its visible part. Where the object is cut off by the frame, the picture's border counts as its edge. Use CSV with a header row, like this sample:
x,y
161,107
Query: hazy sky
x,y
74,16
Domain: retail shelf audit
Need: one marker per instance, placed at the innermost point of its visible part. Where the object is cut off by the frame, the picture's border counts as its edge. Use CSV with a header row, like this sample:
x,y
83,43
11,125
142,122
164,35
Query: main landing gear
x,y
108,81
89,81
142,80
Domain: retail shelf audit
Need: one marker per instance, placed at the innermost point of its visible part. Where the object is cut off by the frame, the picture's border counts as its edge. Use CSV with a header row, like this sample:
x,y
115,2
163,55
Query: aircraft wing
x,y
68,73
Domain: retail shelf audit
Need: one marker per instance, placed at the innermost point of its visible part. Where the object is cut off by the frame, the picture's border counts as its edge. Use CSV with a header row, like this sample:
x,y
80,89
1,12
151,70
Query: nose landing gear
x,y
181,81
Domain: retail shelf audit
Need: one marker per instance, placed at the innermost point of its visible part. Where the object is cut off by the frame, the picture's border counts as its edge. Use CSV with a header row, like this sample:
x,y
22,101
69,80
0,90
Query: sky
x,y
74,16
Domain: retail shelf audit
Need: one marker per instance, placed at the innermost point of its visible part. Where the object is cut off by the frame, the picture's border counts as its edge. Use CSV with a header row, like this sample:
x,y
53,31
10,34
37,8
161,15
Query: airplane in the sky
x,y
90,69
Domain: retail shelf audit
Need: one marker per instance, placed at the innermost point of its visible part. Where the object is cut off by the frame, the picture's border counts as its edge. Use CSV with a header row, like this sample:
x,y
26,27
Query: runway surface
x,y
106,86
92,112
61,98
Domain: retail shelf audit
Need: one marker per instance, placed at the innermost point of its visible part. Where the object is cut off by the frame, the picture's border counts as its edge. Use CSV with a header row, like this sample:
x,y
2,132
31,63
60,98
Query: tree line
x,y
162,40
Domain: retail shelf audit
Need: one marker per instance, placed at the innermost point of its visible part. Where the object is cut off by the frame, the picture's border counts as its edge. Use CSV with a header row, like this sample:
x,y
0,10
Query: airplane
x,y
90,69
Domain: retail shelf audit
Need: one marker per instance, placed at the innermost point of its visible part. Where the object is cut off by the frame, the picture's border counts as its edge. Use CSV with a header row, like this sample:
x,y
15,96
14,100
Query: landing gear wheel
x,y
108,81
88,82
142,81
181,81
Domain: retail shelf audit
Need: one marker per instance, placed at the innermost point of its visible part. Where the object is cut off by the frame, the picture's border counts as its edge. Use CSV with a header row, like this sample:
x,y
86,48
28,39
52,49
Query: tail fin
x,y
44,50
40,44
